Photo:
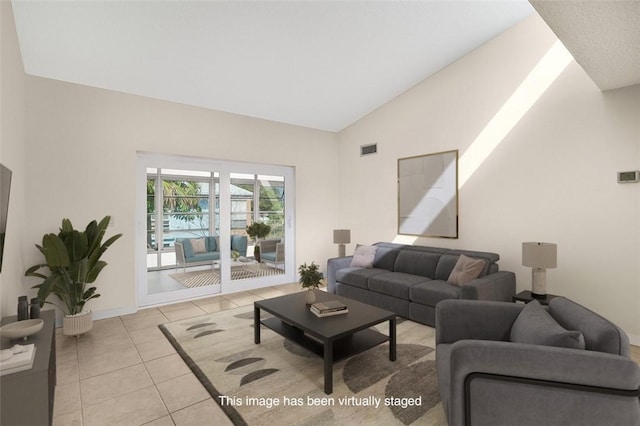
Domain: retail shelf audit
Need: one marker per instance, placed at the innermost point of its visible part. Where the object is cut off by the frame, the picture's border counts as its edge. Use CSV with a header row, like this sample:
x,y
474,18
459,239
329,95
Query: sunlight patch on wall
x,y
548,69
525,96
405,239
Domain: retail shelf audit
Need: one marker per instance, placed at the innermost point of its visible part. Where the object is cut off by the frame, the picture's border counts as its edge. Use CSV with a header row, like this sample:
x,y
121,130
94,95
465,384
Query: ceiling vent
x,y
368,149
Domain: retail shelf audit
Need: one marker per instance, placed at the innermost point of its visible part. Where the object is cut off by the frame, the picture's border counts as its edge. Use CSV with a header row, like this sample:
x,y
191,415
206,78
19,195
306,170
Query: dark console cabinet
x,y
27,396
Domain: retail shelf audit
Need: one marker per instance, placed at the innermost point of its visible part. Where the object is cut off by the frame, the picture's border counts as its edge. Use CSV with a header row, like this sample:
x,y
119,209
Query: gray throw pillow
x,y
536,326
363,256
466,269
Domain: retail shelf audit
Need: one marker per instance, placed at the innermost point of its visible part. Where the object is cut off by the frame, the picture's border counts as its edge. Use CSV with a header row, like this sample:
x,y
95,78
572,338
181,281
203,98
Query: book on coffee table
x,y
329,314
329,308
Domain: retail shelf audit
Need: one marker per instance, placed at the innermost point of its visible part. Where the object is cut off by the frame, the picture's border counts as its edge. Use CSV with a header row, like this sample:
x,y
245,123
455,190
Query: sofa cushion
x,y
488,256
446,263
186,247
212,243
198,245
396,284
431,292
535,326
417,263
239,243
599,334
205,257
465,270
364,256
386,254
358,277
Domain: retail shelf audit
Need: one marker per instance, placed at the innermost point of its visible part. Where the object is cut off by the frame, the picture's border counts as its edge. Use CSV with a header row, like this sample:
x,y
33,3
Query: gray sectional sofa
x,y
411,280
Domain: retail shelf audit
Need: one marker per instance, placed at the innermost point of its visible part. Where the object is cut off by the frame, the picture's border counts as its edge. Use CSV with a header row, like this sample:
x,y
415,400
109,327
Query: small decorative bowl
x,y
21,329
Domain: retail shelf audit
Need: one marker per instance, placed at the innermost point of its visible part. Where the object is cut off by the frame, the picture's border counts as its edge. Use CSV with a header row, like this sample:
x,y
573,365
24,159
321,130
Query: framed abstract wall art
x,y
428,195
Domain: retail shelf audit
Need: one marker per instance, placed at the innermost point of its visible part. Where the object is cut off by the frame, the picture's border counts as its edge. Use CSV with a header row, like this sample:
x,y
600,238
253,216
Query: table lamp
x,y
540,257
341,237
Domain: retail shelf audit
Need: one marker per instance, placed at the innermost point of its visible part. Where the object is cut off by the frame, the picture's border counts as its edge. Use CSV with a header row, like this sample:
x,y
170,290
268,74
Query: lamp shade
x,y
540,255
341,236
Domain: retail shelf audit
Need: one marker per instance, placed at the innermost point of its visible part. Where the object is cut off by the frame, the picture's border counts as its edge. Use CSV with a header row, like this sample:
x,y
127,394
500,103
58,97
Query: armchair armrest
x,y
545,363
552,367
280,252
472,319
500,286
180,260
332,266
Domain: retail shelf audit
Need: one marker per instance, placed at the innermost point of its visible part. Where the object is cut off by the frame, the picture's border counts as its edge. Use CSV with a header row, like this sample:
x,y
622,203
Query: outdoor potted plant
x,y
310,278
257,231
72,263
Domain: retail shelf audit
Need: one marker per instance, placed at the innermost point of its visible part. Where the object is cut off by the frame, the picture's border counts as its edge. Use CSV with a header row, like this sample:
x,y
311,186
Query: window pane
x,y
272,205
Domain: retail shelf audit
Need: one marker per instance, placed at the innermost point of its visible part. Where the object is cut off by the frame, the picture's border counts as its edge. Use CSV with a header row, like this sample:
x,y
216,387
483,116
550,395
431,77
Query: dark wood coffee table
x,y
332,338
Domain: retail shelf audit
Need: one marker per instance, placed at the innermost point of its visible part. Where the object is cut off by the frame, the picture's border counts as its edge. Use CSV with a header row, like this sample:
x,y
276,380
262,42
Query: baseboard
x,y
110,313
107,313
634,339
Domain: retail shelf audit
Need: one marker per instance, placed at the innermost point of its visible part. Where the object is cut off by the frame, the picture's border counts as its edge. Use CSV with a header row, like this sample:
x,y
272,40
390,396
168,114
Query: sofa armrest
x,y
332,266
180,259
472,319
547,363
546,366
500,286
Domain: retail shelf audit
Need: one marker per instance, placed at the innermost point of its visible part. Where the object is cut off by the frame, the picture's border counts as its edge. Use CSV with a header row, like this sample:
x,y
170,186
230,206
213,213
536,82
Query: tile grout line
x,y
76,348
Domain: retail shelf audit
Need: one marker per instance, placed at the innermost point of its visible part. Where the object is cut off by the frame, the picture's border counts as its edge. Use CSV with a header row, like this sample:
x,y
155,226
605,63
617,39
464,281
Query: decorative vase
x,y
310,297
75,325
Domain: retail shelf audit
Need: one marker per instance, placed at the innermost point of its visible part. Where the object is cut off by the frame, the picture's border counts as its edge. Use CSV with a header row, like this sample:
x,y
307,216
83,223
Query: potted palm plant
x,y
310,278
72,263
257,231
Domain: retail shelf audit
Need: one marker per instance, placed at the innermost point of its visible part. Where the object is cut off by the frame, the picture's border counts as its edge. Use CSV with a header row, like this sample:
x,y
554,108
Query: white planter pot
x,y
75,325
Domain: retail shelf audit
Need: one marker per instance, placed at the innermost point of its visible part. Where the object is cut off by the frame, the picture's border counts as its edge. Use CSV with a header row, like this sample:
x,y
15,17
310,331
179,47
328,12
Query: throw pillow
x,y
198,245
536,326
465,270
364,256
213,243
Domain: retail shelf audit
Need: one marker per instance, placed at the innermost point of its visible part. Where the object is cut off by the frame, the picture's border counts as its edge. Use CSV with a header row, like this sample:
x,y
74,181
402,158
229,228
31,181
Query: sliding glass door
x,y
197,224
180,201
258,199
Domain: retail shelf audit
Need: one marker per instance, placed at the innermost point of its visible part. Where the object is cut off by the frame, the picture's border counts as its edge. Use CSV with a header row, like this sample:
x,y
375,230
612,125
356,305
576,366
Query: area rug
x,y
278,382
204,278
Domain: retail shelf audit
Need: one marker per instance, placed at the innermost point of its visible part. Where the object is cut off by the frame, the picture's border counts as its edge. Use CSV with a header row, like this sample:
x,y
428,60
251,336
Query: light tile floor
x,y
124,372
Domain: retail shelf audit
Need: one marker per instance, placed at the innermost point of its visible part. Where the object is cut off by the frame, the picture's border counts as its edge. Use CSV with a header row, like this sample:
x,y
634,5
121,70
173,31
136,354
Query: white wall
x,y
73,149
552,178
13,156
82,145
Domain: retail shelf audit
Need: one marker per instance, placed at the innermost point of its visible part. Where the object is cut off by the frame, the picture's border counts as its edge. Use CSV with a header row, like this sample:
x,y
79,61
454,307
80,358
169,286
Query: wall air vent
x,y
629,177
368,149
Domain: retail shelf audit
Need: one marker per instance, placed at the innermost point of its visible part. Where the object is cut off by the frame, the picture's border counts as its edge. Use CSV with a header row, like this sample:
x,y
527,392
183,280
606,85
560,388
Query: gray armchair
x,y
485,378
272,251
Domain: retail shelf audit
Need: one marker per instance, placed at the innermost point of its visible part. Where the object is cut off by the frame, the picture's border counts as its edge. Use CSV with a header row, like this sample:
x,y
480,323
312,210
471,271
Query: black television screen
x,y
5,187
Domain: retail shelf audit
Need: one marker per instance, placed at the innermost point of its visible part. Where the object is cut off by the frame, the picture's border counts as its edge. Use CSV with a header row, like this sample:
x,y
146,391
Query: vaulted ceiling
x,y
317,64
602,36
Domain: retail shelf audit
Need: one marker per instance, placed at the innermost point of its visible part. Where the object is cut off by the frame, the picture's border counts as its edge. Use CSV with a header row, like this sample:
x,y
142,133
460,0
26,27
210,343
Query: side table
x,y
27,396
526,296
